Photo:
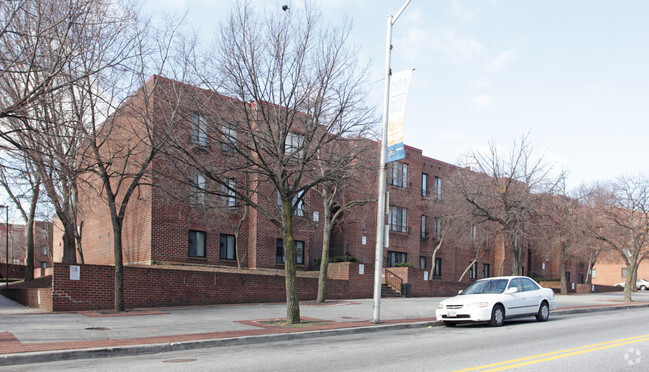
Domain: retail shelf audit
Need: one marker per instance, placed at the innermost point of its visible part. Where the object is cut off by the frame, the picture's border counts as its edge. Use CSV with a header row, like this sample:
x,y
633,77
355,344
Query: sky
x,y
572,75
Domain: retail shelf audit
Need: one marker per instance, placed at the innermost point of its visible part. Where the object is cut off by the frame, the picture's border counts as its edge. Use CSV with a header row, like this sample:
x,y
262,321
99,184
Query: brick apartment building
x,y
166,222
17,245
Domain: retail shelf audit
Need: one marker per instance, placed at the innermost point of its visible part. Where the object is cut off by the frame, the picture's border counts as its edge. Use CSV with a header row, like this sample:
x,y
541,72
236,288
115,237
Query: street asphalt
x,y
33,336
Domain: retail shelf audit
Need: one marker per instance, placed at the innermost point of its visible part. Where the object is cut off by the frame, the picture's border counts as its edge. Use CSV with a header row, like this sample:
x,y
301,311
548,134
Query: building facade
x,y
173,222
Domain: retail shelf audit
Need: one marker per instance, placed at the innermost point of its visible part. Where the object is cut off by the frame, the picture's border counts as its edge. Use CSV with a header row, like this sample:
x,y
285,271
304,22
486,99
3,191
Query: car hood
x,y
468,299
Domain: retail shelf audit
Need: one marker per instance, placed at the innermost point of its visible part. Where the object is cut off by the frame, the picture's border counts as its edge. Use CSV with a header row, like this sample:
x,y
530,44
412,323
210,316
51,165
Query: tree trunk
x,y
69,250
324,263
629,283
29,234
119,269
562,271
290,257
432,265
29,239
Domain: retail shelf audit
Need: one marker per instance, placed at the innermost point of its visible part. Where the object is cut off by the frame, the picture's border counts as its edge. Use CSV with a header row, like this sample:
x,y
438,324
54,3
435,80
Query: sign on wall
x,y
75,272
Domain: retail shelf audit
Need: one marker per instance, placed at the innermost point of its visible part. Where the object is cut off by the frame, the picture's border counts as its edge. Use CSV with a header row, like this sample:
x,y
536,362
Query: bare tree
x,y
455,223
22,184
348,164
39,40
296,92
47,45
504,191
625,224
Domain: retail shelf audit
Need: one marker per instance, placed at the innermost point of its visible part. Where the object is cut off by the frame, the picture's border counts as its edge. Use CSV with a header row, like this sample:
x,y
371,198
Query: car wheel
x,y
450,324
544,312
497,316
642,288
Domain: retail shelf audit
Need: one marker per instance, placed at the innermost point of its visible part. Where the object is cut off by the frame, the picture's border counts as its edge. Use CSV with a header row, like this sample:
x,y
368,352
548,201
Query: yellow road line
x,y
558,354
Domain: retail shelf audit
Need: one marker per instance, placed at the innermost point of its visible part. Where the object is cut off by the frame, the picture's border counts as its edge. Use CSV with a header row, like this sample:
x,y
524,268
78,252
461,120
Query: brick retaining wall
x,y
151,287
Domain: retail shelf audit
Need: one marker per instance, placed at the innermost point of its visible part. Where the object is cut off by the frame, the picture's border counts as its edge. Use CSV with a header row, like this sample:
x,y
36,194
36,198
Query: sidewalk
x,y
31,336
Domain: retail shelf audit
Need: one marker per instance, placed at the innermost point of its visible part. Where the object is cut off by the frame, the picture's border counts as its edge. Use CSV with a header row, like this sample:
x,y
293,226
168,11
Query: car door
x,y
532,295
515,302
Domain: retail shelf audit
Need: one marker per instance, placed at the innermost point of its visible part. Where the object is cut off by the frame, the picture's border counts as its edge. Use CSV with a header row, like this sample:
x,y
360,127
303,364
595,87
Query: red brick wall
x,y
150,287
427,288
360,285
39,298
15,271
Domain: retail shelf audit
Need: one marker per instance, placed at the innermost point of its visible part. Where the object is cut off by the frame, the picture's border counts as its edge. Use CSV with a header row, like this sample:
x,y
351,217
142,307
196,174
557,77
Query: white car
x,y
639,284
495,299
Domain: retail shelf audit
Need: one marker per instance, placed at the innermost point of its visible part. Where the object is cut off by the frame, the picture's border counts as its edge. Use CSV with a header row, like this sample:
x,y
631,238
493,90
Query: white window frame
x,y
437,227
200,239
438,188
398,174
198,134
228,196
229,138
424,184
294,144
230,247
423,231
398,218
197,188
298,204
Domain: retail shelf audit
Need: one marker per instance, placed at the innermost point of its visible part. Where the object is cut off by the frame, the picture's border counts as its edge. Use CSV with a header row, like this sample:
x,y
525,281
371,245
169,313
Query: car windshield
x,y
486,286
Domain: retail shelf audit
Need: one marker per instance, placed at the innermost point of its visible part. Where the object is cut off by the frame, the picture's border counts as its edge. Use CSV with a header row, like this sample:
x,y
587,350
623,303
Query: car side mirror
x,y
512,290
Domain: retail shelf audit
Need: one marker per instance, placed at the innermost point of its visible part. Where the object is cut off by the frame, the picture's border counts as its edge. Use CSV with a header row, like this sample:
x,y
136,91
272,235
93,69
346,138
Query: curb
x,y
106,352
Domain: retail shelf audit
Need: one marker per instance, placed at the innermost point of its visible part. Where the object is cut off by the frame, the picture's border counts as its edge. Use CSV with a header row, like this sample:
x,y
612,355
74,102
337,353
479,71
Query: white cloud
x,y
456,48
413,44
502,61
464,11
482,101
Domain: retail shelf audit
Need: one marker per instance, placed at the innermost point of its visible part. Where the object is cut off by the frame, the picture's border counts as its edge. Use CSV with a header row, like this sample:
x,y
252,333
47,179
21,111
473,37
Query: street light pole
x,y
6,246
380,212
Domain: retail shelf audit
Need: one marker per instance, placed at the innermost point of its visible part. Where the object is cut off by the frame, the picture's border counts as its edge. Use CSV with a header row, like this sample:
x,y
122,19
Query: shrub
x,y
403,264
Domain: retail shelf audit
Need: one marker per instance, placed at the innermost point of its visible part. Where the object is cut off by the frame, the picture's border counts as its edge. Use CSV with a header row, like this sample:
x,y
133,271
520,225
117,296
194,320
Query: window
x,y
485,270
228,244
299,247
529,285
228,194
44,250
516,283
229,140
474,231
567,276
437,231
473,271
398,174
398,219
424,184
422,262
197,189
198,133
298,204
438,267
438,188
624,272
423,227
294,144
196,243
593,274
396,257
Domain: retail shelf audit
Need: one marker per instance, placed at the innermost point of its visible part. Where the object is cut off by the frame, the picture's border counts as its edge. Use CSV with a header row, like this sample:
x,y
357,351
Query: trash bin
x,y
405,289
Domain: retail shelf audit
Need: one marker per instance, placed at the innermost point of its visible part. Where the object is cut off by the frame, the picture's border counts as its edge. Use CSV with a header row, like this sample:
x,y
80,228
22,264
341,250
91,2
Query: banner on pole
x,y
399,84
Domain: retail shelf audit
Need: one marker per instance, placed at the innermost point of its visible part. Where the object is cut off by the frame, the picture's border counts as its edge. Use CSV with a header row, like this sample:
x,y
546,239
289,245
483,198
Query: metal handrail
x,y
393,280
